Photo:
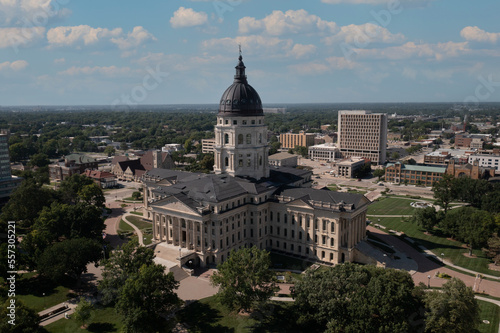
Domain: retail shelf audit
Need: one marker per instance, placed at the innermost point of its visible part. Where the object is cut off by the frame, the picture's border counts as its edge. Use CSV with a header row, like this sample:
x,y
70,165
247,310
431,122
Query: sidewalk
x,y
427,269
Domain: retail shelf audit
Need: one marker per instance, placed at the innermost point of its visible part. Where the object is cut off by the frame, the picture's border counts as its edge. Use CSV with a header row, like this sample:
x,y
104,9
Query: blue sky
x,y
59,52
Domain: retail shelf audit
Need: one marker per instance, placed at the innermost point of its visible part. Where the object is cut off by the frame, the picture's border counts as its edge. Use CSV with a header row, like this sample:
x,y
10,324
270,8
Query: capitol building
x,y
200,218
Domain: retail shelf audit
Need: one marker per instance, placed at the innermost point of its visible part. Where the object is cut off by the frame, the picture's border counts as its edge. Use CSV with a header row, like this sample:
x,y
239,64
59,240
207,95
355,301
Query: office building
x,y
363,134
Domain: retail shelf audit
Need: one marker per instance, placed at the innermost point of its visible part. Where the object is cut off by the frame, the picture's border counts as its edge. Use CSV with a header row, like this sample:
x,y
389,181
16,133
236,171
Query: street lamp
x,y
442,258
428,281
180,254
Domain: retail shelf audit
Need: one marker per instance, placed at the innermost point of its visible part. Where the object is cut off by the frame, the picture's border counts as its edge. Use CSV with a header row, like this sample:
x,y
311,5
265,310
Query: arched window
x,y
226,161
260,160
226,138
249,139
240,139
260,137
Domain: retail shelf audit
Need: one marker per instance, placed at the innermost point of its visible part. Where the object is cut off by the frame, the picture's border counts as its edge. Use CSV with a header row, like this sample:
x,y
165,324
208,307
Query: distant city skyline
x,y
61,52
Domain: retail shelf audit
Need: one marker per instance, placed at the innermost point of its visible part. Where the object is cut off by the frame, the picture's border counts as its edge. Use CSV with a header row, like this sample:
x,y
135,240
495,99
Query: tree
x,y
26,203
71,186
426,218
17,152
92,195
147,296
188,145
69,257
379,173
453,309
494,248
136,195
83,312
470,190
476,228
123,263
354,298
39,160
301,150
244,279
109,150
443,191
395,155
26,319
123,146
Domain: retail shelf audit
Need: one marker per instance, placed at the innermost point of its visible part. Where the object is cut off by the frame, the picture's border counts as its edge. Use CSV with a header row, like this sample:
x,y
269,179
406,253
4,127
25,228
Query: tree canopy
x,y
244,279
354,298
453,309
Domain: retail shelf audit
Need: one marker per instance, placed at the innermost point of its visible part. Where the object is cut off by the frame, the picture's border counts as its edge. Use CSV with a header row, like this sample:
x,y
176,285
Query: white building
x,y
324,152
488,161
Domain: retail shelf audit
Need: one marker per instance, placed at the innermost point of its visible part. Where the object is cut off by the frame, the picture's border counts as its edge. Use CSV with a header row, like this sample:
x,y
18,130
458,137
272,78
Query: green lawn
x,y
137,213
31,290
452,250
207,315
103,320
333,187
490,312
124,226
139,223
391,206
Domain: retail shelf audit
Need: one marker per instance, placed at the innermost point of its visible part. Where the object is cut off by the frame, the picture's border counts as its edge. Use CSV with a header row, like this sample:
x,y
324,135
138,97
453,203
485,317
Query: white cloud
x,y
290,22
408,50
30,12
81,35
110,71
478,35
84,36
301,51
187,17
14,66
15,37
59,61
138,36
321,67
363,34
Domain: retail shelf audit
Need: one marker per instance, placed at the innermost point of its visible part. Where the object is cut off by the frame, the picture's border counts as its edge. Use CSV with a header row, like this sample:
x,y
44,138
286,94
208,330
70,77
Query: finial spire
x,y
240,69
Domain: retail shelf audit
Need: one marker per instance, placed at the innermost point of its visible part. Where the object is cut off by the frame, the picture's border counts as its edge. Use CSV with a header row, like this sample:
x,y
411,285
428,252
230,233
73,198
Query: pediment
x,y
299,203
175,205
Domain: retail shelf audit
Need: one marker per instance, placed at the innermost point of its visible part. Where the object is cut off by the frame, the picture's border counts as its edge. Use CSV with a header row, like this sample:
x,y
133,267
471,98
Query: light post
x,y
428,281
43,294
180,254
442,258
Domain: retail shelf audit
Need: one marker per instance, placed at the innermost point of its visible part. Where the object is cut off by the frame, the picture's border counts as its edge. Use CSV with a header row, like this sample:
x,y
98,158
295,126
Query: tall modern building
x,y
8,183
363,134
200,218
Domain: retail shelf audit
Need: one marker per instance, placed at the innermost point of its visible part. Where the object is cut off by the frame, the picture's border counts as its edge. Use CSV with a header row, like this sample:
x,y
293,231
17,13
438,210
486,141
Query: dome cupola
x,y
240,99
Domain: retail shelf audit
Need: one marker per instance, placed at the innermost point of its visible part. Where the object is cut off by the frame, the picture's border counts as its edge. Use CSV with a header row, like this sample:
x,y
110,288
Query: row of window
x,y
243,122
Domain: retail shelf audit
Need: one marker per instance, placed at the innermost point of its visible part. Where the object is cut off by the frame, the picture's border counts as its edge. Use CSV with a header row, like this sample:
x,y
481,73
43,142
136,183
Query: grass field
x,y
452,250
208,315
103,320
490,312
39,293
124,226
139,223
391,206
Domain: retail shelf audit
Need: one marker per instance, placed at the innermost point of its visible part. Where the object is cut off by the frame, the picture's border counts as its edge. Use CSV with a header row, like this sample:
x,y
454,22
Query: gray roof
x,y
324,195
421,168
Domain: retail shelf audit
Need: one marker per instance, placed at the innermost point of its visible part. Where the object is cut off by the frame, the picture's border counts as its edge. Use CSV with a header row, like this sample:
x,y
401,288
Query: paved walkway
x,y
427,269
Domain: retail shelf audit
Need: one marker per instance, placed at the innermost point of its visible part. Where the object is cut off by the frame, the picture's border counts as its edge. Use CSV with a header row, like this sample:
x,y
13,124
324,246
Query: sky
x,y
124,52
